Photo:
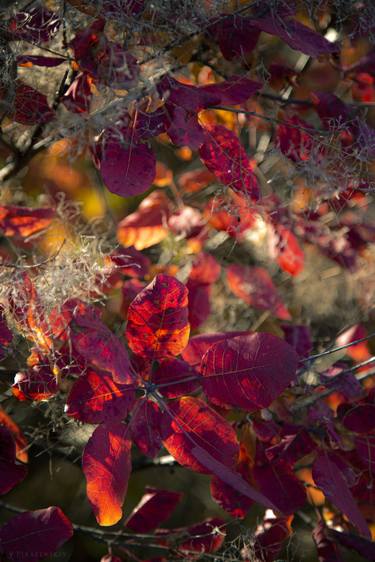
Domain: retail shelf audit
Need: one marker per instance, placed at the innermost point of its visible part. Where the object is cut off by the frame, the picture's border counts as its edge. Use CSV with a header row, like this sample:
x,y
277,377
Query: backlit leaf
x,y
255,286
106,463
158,319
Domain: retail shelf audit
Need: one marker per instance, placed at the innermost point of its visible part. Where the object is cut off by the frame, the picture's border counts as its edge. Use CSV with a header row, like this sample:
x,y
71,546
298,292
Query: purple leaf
x,y
35,534
256,368
329,478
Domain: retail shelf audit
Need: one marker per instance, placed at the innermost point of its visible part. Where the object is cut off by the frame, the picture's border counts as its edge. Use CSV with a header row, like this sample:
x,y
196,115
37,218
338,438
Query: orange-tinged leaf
x,y
146,226
255,287
106,464
22,222
158,323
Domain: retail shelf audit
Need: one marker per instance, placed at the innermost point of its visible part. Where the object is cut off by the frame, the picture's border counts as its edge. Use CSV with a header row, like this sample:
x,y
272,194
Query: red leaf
x,y
189,423
146,226
248,372
287,251
30,106
37,383
175,377
155,507
329,478
23,222
101,348
96,398
224,156
106,463
255,286
293,140
198,345
158,319
35,534
205,269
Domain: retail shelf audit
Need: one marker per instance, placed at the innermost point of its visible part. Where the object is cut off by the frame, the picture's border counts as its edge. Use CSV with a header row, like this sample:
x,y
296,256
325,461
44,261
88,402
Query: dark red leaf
x,y
207,536
30,60
198,345
175,377
11,472
235,35
35,534
248,372
329,478
145,427
101,348
126,169
286,250
224,156
295,138
155,507
22,222
106,463
280,486
255,286
365,448
199,303
30,106
158,319
228,498
96,398
189,423
359,416
269,538
36,383
326,548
